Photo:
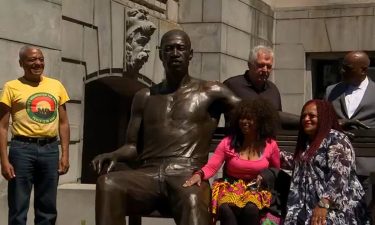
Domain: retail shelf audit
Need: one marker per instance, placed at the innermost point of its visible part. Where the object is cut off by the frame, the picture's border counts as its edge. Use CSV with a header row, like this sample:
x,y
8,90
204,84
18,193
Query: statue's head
x,y
175,52
138,33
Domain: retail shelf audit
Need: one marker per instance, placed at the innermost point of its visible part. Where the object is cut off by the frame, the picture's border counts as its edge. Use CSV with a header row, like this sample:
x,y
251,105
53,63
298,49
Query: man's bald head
x,y
358,57
355,67
25,49
32,62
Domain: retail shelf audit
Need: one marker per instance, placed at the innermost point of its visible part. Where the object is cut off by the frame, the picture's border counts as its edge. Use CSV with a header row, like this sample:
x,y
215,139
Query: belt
x,y
39,141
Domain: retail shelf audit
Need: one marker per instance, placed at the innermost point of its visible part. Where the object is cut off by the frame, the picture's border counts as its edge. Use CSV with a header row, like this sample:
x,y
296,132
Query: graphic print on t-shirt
x,y
41,107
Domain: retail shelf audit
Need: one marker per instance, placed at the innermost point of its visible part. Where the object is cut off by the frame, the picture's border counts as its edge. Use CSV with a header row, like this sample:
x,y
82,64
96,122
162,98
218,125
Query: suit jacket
x,y
366,108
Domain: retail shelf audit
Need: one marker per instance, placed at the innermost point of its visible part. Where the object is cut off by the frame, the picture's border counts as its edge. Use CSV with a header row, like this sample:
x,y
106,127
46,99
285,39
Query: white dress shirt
x,y
354,95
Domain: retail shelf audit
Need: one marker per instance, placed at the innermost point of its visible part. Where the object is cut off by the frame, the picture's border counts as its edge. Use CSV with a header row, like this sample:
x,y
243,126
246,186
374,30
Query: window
x,y
325,70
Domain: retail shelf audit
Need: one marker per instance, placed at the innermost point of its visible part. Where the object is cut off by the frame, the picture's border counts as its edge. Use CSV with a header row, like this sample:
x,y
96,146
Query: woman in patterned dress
x,y
248,151
324,187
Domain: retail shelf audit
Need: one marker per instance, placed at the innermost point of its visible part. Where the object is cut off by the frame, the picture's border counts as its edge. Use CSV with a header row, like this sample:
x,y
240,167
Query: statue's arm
x,y
289,120
129,150
228,100
223,93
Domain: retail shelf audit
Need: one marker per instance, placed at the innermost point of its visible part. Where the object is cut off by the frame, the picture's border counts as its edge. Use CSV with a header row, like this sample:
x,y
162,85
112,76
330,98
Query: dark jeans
x,y
34,165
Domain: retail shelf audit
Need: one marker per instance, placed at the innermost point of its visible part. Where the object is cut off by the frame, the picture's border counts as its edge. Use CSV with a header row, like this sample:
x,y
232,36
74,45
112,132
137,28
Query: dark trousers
x,y
233,215
36,165
153,186
365,182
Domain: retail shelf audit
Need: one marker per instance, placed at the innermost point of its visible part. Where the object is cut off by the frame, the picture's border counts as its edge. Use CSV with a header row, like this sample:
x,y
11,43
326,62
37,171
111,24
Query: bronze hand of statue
x,y
99,161
123,153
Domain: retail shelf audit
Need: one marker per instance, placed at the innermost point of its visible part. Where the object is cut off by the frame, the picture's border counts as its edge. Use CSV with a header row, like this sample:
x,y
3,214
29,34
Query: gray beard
x,y
136,63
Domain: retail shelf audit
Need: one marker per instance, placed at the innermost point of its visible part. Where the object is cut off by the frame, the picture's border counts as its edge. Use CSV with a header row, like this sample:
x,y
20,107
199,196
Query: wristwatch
x,y
322,204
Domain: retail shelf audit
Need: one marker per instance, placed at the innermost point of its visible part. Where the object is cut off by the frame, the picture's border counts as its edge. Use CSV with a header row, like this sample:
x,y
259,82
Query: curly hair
x,y
264,115
327,120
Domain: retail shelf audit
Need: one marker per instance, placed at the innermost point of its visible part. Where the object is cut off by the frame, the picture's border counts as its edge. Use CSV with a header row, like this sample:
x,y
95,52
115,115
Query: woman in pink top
x,y
248,152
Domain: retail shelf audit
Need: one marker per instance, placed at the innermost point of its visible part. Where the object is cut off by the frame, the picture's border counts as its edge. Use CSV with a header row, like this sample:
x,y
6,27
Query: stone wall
x,y
223,32
82,41
303,3
324,29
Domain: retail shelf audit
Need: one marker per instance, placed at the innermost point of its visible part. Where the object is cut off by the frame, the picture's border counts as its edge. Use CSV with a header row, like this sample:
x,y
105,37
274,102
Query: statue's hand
x,y
99,161
126,152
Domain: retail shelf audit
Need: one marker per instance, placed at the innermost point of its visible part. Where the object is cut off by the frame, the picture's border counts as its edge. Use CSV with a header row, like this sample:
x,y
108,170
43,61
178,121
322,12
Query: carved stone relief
x,y
138,33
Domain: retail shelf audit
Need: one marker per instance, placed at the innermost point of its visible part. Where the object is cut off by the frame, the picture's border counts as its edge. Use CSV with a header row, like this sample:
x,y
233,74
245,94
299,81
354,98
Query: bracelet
x,y
200,173
325,204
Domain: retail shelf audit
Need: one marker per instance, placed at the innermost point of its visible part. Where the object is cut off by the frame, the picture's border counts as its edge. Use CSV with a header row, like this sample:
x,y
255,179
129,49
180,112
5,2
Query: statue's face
x,y
176,52
137,51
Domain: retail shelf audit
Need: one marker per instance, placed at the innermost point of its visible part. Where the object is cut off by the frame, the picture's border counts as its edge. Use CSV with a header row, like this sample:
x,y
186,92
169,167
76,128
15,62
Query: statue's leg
x,y
124,193
190,206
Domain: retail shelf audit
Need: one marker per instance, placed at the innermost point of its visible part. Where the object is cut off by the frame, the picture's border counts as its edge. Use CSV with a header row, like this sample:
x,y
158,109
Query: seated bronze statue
x,y
177,117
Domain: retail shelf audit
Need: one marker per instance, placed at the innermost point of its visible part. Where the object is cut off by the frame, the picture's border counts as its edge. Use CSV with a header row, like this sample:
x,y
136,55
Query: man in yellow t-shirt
x,y
36,104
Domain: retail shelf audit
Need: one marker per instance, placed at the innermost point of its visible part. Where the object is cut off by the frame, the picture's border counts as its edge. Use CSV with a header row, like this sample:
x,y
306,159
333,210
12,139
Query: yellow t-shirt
x,y
34,106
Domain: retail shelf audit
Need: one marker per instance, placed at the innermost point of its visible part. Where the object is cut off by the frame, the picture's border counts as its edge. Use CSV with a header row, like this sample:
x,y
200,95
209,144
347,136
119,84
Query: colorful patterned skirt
x,y
239,194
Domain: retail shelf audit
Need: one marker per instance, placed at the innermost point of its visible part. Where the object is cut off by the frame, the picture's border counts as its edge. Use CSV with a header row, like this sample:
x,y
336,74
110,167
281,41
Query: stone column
x,y
172,10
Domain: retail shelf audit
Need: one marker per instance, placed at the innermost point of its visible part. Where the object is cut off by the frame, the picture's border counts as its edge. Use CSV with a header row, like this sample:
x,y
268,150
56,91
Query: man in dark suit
x,y
353,98
354,104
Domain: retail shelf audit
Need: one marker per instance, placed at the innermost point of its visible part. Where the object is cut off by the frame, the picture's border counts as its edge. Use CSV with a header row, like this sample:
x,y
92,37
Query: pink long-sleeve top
x,y
241,168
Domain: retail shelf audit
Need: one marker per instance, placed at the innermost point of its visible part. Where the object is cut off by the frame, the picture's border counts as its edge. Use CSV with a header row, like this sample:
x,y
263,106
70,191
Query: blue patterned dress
x,y
331,173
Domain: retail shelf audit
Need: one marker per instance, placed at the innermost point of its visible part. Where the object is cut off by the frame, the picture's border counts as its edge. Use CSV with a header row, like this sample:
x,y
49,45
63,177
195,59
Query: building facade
x,y
89,44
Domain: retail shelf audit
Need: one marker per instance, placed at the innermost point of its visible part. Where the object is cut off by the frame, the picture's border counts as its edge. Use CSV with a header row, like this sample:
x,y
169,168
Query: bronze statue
x,y
173,121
